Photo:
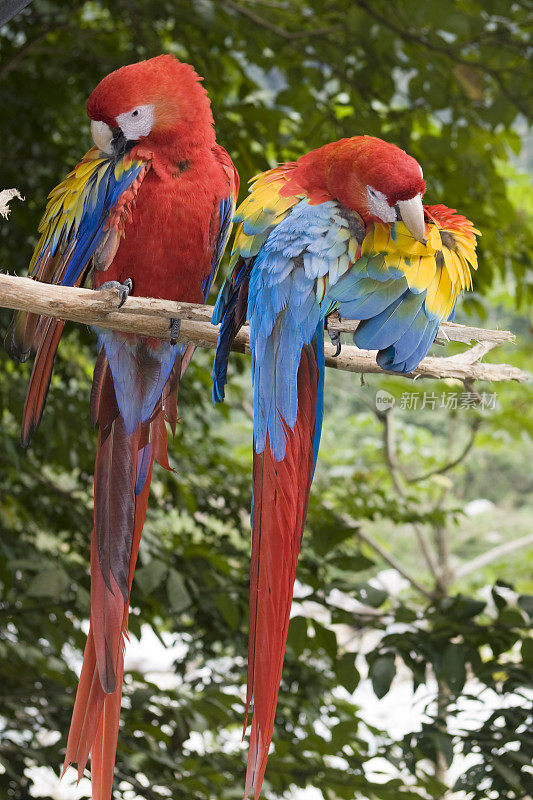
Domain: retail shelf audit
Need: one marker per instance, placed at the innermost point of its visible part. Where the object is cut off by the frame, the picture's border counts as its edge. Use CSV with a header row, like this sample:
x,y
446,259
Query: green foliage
x,y
445,81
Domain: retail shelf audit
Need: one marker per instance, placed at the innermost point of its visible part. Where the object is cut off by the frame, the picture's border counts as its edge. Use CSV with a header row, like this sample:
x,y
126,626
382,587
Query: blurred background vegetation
x,y
409,662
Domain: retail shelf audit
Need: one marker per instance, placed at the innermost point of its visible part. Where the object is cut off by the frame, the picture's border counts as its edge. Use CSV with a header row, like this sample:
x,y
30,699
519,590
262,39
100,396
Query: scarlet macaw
x,y
341,228
149,209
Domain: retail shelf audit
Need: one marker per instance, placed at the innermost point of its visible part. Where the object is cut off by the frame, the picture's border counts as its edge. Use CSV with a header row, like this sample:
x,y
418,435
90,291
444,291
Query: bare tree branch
x,y
387,556
151,317
427,553
288,36
454,462
397,473
493,555
391,451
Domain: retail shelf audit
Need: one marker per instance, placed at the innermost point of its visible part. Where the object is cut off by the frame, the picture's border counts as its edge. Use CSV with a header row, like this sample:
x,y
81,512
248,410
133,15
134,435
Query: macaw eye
x,y
378,205
137,122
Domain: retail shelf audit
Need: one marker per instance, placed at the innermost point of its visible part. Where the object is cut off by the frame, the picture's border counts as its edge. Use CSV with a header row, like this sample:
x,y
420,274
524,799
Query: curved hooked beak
x,y
109,140
412,214
102,136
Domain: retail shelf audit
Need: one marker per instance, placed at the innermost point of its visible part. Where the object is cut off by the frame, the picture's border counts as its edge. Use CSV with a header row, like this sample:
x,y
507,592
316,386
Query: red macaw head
x,y
160,102
385,184
376,179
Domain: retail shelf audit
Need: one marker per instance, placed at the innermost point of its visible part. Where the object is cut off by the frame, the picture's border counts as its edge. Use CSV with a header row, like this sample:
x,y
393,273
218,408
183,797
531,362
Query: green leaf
x,y
356,563
509,775
329,536
381,674
370,595
511,618
52,581
326,639
151,576
527,651
461,607
346,672
453,670
297,635
178,596
444,744
525,601
229,609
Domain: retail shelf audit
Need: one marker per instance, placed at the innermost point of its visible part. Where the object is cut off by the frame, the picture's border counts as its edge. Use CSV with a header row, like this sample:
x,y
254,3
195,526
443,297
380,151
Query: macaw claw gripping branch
x,y
150,317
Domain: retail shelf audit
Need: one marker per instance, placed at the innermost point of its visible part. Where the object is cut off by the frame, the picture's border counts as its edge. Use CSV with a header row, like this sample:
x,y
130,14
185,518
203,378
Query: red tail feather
x,y
94,725
20,337
40,377
281,494
119,519
104,747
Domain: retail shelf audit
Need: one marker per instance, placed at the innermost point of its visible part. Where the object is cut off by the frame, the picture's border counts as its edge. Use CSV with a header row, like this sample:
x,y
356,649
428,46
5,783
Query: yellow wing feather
x,y
441,265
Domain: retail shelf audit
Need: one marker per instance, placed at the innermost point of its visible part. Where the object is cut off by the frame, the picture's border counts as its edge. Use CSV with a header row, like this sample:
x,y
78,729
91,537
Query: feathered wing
x,y
81,227
257,215
403,289
280,290
223,221
135,389
293,264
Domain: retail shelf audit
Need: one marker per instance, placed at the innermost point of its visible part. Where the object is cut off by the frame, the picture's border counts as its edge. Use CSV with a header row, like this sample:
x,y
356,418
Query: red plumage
x,y
281,495
174,265
166,231
283,249
50,334
342,170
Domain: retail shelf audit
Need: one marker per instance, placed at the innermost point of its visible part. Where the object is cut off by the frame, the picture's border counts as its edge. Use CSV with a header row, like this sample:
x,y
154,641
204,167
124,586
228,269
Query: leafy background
x,y
408,667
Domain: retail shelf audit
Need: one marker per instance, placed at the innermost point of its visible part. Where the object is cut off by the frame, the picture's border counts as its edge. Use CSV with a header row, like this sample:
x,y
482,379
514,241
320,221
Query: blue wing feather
x,y
96,213
78,212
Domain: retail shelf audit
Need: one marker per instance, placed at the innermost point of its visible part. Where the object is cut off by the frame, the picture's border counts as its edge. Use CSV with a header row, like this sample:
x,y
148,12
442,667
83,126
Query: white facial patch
x,y
378,205
136,123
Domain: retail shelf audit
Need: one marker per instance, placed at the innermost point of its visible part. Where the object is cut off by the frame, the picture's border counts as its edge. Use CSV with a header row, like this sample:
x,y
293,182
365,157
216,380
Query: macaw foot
x,y
336,341
124,289
175,325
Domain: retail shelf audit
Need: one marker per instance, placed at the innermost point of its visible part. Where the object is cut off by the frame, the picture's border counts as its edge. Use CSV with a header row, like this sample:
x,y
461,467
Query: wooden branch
x,y
448,332
454,462
150,317
383,552
493,554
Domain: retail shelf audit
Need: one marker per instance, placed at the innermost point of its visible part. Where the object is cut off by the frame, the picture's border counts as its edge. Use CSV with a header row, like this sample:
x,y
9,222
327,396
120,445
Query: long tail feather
x,y
114,519
122,486
49,336
281,493
20,336
90,698
104,748
230,310
94,725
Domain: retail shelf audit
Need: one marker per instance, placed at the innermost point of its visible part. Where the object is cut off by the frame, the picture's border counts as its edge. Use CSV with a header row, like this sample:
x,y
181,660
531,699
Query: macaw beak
x,y
110,141
119,143
412,215
102,136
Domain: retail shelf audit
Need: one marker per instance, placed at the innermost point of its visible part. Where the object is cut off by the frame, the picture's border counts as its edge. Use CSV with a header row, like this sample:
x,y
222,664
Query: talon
x,y
336,341
124,289
175,325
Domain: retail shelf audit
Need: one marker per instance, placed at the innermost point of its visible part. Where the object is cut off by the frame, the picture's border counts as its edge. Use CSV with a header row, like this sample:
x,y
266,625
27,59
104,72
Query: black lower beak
x,y
120,144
